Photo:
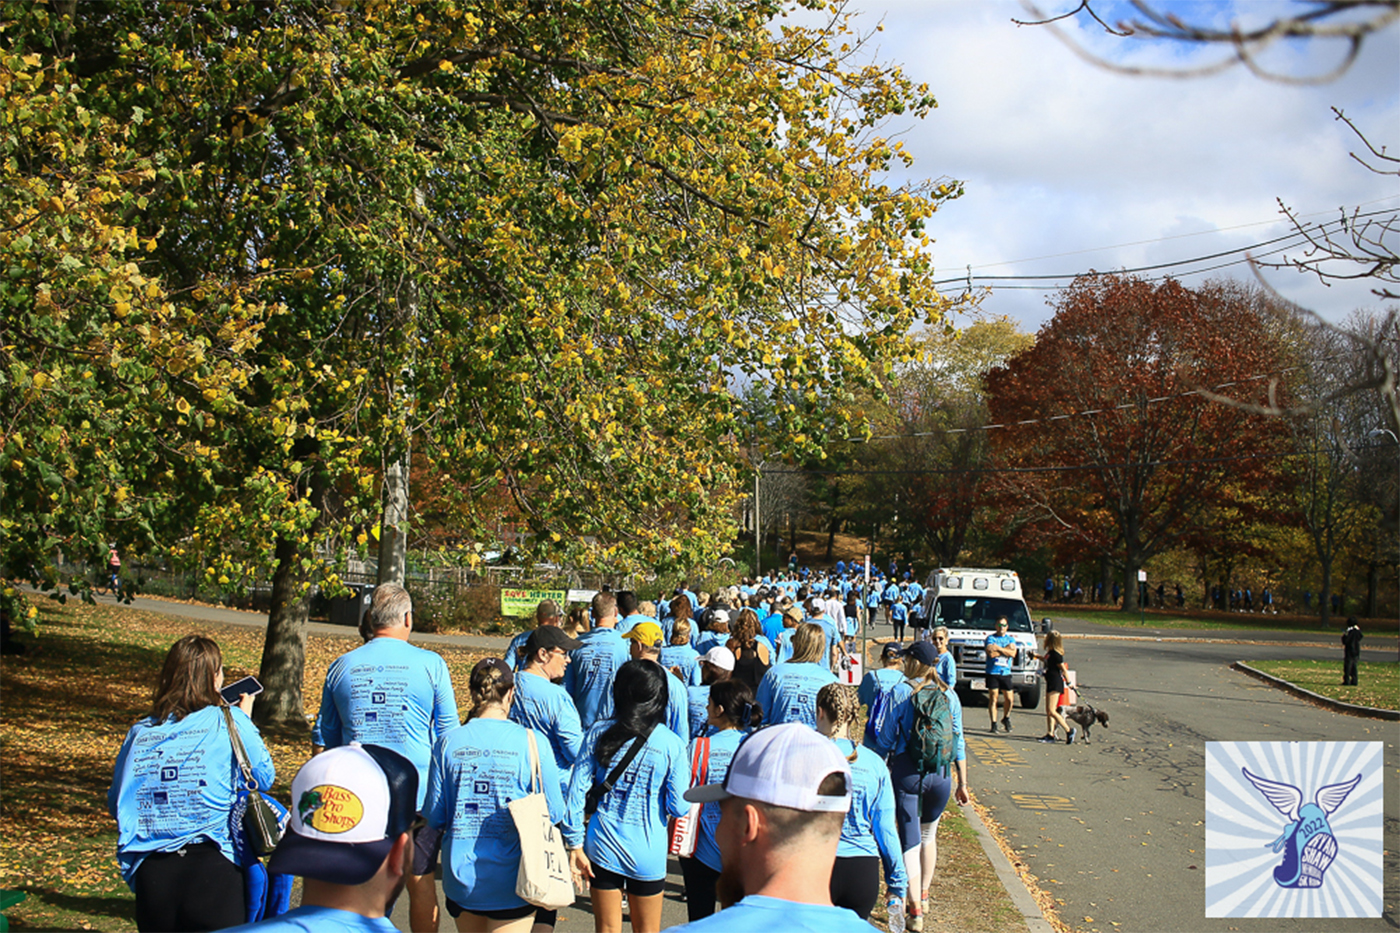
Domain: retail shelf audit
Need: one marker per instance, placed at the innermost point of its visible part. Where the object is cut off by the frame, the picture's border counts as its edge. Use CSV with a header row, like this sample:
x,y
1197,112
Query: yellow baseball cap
x,y
648,633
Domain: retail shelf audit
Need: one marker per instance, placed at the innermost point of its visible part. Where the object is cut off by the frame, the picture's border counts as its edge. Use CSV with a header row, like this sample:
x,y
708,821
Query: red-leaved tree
x,y
1131,460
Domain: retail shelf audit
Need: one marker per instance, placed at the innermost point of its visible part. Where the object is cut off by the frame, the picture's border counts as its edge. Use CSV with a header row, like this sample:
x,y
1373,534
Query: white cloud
x,y
1063,157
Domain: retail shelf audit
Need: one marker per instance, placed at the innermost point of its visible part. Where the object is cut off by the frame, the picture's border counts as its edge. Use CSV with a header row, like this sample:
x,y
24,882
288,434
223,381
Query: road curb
x,y
1021,898
1351,709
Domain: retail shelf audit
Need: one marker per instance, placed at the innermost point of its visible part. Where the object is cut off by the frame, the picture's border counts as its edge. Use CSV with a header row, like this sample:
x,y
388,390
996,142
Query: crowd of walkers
x,y
716,729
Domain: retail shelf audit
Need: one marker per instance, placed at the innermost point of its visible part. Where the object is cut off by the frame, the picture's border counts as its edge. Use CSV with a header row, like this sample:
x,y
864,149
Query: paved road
x,y
1116,829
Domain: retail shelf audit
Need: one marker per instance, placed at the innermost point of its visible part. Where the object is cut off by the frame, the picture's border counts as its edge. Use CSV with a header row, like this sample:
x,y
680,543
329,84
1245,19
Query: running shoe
x,y
1006,723
994,729
1047,737
1069,739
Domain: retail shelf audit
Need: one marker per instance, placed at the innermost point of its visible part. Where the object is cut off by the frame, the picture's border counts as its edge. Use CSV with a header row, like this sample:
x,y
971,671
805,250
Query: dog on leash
x,y
1085,716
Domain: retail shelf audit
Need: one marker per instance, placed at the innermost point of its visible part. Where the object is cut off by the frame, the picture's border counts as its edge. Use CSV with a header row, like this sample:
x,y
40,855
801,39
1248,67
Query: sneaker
x,y
1069,739
1006,723
1047,737
914,922
994,729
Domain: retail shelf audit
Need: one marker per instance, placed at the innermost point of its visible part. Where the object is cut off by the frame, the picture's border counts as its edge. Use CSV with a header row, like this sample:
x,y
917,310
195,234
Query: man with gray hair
x,y
389,693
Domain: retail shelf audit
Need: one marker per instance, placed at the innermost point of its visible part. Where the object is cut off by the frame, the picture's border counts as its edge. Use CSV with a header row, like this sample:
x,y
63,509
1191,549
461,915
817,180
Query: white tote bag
x,y
543,879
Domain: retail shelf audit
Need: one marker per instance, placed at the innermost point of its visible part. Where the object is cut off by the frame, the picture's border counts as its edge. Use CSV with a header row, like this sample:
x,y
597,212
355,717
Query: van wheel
x,y
1030,699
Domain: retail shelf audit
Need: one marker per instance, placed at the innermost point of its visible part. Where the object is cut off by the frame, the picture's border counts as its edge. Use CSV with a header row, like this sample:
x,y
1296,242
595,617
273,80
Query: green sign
x,y
523,602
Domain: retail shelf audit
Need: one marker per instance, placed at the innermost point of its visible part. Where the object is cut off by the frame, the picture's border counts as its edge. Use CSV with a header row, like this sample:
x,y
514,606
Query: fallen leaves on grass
x,y
67,707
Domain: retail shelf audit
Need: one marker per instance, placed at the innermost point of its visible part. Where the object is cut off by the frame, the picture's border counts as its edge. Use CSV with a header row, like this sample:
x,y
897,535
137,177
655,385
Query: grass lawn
x,y
1378,683
68,704
1198,619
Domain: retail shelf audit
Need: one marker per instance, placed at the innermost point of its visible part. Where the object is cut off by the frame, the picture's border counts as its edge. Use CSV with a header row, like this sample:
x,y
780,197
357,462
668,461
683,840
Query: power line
x,y
1289,240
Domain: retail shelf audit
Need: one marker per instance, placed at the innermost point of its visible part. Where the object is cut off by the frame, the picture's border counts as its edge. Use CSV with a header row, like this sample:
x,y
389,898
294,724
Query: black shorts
x,y
999,682
542,916
605,880
426,843
1054,685
855,883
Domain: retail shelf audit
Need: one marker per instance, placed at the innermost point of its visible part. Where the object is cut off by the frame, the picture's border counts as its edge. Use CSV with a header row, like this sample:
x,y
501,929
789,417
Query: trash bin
x,y
349,610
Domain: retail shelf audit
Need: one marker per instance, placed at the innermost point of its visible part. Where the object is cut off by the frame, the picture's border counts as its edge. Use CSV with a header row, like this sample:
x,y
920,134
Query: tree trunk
x,y
284,649
832,527
1105,579
1373,586
1324,598
393,522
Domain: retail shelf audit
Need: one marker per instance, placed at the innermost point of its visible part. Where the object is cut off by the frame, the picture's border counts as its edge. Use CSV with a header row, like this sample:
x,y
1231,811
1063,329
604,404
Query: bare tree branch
x,y
1331,21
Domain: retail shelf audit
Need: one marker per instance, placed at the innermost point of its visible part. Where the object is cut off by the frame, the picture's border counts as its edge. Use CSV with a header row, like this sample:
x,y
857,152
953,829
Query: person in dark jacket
x,y
1351,652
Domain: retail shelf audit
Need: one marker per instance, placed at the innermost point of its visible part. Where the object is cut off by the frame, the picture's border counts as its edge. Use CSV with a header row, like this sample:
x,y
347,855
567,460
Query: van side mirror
x,y
1044,626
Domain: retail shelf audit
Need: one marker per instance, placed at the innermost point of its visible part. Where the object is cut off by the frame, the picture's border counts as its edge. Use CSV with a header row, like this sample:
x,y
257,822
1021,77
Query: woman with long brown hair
x,y
173,789
753,656
788,692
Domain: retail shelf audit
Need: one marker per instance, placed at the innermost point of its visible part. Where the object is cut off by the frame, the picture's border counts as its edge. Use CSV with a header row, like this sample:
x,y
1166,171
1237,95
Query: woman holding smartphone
x,y
173,788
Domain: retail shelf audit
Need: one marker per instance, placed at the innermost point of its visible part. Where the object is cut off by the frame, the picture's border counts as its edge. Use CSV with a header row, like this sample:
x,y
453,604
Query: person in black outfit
x,y
1055,673
1351,652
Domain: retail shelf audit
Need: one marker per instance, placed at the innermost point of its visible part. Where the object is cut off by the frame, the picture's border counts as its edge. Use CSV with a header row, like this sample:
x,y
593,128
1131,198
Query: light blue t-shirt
x,y
876,683
947,668
477,769
514,649
589,676
627,623
711,640
788,692
773,626
677,707
390,693
698,703
723,744
899,613
627,834
316,919
549,710
759,914
174,784
899,724
870,828
686,658
999,665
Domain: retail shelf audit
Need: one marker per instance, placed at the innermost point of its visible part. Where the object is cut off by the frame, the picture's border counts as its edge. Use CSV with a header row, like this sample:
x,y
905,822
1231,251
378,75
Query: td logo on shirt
x,y
1270,854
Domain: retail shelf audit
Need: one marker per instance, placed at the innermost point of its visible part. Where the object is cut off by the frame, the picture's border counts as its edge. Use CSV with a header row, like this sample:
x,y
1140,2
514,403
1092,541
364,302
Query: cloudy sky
x,y
1069,167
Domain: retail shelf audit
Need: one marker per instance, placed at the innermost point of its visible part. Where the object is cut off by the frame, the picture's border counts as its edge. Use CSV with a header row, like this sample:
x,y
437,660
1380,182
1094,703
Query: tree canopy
x,y
537,243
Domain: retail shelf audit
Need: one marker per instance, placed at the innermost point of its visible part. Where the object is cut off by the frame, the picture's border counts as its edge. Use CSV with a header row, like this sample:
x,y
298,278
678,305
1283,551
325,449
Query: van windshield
x,y
981,612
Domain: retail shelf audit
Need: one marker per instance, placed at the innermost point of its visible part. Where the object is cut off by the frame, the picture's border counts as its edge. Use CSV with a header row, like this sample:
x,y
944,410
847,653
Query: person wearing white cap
x,y
717,665
788,692
348,839
729,713
782,804
718,633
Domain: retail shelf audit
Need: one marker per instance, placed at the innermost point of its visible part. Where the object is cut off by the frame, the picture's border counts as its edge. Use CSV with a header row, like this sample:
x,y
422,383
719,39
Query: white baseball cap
x,y
720,656
783,766
349,804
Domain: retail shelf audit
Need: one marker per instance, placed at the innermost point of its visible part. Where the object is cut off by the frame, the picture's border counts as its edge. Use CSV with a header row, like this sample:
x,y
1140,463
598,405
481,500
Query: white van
x,y
968,601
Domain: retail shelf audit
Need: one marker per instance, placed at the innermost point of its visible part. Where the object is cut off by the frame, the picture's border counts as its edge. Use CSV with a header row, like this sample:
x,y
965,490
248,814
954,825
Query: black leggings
x,y
855,883
699,888
195,888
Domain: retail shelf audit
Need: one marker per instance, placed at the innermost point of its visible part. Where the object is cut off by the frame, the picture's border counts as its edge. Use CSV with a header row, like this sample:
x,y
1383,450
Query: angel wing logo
x,y
1307,843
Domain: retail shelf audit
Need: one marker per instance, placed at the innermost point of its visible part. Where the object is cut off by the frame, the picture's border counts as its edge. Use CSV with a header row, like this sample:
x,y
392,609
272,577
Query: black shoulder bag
x,y
599,790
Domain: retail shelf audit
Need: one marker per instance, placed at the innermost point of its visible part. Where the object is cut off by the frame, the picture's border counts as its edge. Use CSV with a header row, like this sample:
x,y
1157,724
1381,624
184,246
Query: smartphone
x,y
233,691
